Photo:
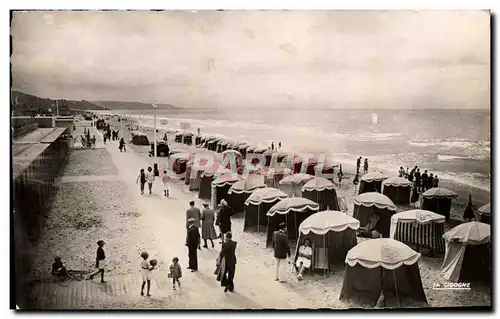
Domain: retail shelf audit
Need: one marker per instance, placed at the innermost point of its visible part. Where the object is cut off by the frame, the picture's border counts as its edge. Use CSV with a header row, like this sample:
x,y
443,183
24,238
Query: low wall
x,y
42,121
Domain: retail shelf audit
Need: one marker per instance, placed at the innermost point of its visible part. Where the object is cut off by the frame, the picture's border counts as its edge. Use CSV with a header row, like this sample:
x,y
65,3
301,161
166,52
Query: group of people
x,y
149,178
358,165
421,181
272,146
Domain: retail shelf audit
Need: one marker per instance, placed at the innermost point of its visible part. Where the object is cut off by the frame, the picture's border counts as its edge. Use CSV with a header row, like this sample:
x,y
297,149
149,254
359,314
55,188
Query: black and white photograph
x,y
251,159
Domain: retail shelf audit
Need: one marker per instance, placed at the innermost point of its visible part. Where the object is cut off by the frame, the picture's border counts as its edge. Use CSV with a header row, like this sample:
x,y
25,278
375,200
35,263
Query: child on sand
x,y
175,272
146,269
165,178
58,268
100,262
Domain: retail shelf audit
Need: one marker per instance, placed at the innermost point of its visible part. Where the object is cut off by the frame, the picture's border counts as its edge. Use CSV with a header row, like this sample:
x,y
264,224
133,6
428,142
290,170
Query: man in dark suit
x,y
193,242
228,253
281,252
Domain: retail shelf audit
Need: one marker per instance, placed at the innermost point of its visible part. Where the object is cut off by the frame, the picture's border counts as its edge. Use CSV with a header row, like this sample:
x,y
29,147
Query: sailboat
x,y
374,118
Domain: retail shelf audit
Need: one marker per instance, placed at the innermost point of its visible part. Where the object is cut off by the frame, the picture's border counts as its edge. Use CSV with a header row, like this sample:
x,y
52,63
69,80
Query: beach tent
x,y
438,200
325,170
332,235
468,253
221,186
139,138
268,154
321,191
242,148
371,182
197,140
179,163
272,176
207,177
232,157
385,267
178,138
419,228
212,144
292,211
484,213
292,184
258,204
374,212
242,189
187,138
299,166
398,189
194,172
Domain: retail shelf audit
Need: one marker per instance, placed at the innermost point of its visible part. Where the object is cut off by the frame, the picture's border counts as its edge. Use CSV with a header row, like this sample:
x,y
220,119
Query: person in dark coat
x,y
207,225
358,164
227,254
281,248
418,178
412,174
365,166
193,212
224,218
424,181
414,194
193,242
430,181
436,181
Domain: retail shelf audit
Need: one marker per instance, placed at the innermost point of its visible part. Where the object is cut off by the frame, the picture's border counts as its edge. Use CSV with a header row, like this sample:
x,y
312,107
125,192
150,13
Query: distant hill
x,y
116,105
25,104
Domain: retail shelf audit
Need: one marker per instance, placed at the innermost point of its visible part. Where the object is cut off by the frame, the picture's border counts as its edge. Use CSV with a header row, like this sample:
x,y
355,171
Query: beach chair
x,y
369,227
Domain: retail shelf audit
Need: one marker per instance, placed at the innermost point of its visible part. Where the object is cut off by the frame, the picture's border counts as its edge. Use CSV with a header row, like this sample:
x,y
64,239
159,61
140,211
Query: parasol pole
x,y
258,218
324,247
396,287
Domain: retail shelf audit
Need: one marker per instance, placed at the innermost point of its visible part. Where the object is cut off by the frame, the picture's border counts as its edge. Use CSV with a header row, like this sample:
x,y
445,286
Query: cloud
x,y
256,58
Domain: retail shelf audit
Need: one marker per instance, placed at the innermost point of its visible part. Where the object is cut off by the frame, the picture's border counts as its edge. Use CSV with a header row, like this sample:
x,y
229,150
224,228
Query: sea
x,y
454,144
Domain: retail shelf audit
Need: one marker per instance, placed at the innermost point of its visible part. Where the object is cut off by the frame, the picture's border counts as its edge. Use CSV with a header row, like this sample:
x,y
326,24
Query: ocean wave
x,y
447,158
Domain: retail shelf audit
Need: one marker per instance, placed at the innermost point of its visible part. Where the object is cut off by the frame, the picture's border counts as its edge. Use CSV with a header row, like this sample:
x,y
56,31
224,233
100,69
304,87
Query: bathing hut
x,y
232,160
371,182
438,200
468,253
332,235
257,206
187,138
484,214
179,163
419,228
292,184
398,189
374,212
321,191
242,189
220,187
292,211
139,138
384,267
207,177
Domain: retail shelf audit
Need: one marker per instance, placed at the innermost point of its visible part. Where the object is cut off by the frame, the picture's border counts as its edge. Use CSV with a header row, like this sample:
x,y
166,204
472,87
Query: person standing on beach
x,y
272,146
224,218
100,261
122,145
92,141
207,225
279,145
340,174
365,166
281,248
227,253
165,137
193,242
142,179
436,181
150,178
430,181
165,178
417,178
424,181
358,165
145,272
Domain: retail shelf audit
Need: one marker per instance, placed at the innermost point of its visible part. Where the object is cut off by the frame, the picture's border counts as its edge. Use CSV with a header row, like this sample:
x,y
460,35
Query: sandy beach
x,y
108,206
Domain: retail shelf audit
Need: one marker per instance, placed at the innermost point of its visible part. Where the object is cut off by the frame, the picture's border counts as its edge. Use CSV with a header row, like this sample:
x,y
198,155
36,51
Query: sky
x,y
238,59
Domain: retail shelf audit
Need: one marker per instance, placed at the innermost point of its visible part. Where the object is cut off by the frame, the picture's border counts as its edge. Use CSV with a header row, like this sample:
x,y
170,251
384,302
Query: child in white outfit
x,y
165,179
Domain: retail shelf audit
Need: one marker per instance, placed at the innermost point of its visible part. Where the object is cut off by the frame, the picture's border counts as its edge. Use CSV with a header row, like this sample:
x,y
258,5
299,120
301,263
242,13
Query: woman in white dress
x,y
145,272
304,257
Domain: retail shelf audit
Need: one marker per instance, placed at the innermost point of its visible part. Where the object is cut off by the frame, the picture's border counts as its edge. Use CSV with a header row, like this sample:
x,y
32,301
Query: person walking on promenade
x,y
207,225
224,218
150,178
340,174
175,272
365,166
142,179
122,145
227,254
146,273
358,165
100,261
281,248
436,181
424,181
418,178
165,179
193,244
193,212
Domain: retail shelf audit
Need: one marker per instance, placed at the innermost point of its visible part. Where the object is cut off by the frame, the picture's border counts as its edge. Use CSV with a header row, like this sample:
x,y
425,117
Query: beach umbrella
x,y
221,186
385,267
438,200
371,182
258,203
321,191
417,227
292,184
398,189
484,213
374,211
292,211
468,253
241,190
332,234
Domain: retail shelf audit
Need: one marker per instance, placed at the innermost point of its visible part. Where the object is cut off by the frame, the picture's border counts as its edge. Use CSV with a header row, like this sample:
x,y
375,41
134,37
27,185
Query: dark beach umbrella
x,y
438,200
322,192
372,182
